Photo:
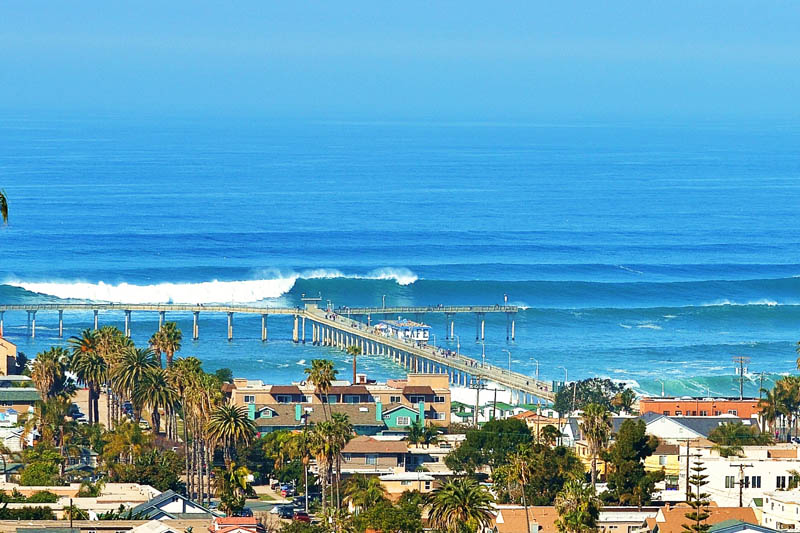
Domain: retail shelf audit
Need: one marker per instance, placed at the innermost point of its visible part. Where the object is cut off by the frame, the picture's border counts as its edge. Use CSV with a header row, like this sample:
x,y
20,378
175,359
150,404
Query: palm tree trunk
x,y
209,461
186,454
525,506
594,470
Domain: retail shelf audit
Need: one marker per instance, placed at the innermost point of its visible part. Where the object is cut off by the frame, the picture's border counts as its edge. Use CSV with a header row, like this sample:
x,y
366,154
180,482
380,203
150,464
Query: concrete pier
x,y
127,323
60,324
295,333
161,318
195,325
303,333
32,320
230,325
2,322
96,312
264,328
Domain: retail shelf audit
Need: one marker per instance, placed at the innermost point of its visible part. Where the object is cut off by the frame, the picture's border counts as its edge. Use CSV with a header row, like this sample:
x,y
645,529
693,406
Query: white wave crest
x,y
402,276
188,293
648,326
273,285
766,302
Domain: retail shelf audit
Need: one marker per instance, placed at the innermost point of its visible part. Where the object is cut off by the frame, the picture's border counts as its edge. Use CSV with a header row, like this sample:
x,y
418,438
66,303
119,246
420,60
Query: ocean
x,y
651,253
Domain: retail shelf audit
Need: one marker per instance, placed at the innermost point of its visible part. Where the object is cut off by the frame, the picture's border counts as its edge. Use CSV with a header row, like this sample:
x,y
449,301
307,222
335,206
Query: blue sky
x,y
459,59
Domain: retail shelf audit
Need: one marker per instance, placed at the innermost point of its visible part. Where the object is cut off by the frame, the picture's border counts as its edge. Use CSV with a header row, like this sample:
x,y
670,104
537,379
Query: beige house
x,y
8,357
367,455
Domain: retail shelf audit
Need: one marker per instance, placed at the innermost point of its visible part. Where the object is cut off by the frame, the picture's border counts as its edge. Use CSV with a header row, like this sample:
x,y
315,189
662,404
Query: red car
x,y
302,516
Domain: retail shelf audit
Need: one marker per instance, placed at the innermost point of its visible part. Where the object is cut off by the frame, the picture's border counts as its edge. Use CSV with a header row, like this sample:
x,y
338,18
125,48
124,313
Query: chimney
x,y
298,412
378,411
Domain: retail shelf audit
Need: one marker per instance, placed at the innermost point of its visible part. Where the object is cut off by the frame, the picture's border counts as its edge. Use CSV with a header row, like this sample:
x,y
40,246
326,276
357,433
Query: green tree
x,y
628,482
596,428
354,351
228,425
769,410
460,506
232,488
48,371
624,401
90,368
414,435
578,508
698,501
729,438
404,517
225,375
161,469
549,435
490,445
579,394
42,466
548,469
363,492
130,370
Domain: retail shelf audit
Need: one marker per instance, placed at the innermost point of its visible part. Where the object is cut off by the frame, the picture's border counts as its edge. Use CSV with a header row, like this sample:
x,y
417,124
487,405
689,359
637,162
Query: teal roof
x,y
19,394
500,405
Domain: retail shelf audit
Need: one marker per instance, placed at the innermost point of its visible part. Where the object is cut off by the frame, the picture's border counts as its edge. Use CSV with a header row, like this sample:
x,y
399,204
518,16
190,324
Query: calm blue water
x,y
639,252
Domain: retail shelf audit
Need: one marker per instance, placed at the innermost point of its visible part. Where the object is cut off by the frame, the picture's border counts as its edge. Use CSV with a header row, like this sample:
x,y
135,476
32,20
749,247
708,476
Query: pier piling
x,y
230,325
195,325
96,312
60,323
264,328
127,323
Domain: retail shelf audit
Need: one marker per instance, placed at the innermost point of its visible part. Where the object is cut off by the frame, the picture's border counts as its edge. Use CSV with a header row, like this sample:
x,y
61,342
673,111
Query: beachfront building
x,y
8,357
691,406
430,391
405,330
367,455
679,429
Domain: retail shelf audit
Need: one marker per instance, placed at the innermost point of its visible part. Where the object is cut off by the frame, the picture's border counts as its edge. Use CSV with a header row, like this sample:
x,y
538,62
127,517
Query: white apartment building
x,y
760,469
781,510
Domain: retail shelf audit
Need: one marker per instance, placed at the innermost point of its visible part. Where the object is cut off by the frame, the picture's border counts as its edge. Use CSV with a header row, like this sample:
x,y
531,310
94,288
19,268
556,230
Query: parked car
x,y
301,516
285,511
246,512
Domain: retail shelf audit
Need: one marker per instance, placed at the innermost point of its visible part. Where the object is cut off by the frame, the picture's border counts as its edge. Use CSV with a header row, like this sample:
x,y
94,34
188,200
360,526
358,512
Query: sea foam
x,y
273,285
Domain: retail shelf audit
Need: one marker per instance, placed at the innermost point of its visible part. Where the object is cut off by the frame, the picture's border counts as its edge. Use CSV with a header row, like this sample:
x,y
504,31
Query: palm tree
x,y
518,471
233,488
321,375
48,371
578,508
362,492
549,435
729,438
230,425
787,390
170,337
182,375
110,344
341,431
91,369
157,343
355,351
415,431
596,429
460,505
154,391
125,443
430,435
769,410
4,207
624,401
130,370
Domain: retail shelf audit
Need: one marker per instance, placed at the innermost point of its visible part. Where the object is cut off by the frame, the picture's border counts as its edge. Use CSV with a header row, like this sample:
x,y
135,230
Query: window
x,y
403,421
306,399
438,399
351,398
755,482
347,457
405,483
394,399
730,482
662,460
780,482
666,413
717,413
416,398
249,398
703,413
733,412
266,413
677,413
427,485
440,416
693,413
332,398
746,482
283,398
371,459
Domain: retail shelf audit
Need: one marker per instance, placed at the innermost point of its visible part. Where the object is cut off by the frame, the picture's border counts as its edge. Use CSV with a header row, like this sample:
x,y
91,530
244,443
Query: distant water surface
x,y
641,252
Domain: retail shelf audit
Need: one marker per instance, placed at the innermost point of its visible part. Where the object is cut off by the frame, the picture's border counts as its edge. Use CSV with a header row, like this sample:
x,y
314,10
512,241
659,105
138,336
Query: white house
x,y
760,470
781,510
675,429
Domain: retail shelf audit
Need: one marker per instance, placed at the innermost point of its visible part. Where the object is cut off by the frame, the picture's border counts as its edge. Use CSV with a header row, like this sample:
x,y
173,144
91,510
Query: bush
x,y
42,496
27,513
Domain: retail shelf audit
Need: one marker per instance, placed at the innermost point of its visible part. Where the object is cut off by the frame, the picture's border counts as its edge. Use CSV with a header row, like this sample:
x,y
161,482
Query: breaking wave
x,y
206,292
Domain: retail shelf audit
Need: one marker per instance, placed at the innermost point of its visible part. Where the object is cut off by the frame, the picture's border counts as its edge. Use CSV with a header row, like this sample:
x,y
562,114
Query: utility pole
x,y
761,385
741,481
741,361
689,456
494,405
478,384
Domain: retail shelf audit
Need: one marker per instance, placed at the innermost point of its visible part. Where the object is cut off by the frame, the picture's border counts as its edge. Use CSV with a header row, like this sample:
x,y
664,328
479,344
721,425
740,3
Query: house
x,y
8,356
399,482
170,505
535,421
431,457
670,518
21,399
737,526
155,526
781,510
367,455
680,428
760,469
432,390
571,432
366,419
511,519
666,458
236,524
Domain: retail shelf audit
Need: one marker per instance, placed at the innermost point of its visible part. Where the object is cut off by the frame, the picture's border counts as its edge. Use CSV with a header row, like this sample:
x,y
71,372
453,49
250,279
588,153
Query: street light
x,y
566,376
662,387
537,367
384,301
458,345
483,353
509,358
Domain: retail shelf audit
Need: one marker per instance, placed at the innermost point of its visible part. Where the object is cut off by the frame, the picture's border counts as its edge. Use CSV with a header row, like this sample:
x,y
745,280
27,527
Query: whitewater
x,y
656,272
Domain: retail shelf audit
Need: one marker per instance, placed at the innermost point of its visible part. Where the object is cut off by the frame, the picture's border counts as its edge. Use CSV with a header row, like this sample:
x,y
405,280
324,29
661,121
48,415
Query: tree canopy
x,y
593,390
490,445
628,482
